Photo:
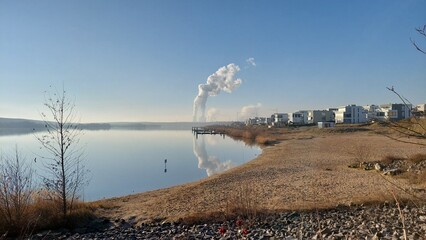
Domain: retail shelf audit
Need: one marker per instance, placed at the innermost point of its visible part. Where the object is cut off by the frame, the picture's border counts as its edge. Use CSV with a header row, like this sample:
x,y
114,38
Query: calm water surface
x,y
122,162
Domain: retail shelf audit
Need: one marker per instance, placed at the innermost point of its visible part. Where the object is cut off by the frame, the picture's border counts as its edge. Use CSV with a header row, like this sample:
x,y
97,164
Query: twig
x,y
402,189
404,100
403,141
401,215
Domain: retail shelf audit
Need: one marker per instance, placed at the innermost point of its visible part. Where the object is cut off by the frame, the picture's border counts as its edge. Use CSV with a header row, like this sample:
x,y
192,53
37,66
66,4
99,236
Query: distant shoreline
x,y
16,126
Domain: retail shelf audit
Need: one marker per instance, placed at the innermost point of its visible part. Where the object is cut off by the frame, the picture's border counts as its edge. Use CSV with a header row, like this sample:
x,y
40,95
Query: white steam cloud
x,y
250,110
222,80
212,114
211,164
251,62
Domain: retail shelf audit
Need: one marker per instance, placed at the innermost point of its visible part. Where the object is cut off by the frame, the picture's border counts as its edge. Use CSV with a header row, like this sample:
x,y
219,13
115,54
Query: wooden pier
x,y
200,130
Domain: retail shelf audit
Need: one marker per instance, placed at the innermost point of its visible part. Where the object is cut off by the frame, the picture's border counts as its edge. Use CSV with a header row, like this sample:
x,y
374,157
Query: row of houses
x,y
346,114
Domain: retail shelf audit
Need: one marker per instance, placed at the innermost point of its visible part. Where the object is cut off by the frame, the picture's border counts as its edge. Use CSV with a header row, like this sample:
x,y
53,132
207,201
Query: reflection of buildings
x,y
212,164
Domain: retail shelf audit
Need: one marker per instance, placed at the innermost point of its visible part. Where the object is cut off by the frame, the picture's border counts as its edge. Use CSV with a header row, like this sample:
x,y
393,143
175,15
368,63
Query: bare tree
x,y
422,32
65,172
412,130
415,126
16,188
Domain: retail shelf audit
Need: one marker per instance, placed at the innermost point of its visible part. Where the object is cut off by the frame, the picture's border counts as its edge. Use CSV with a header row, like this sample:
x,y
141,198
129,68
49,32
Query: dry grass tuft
x,y
244,202
414,178
263,140
261,135
46,214
389,159
417,158
203,218
361,153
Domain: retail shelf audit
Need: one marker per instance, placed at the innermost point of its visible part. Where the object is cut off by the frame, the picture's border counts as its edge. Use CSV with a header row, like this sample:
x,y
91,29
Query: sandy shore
x,y
307,169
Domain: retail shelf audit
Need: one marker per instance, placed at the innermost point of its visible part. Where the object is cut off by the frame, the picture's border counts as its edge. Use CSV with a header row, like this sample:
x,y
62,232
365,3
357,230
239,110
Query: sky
x,y
143,60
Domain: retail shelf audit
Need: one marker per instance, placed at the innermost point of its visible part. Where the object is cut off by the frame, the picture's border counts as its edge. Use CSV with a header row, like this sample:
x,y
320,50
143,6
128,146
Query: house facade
x,y
351,114
375,113
316,116
398,111
299,118
279,119
421,108
258,121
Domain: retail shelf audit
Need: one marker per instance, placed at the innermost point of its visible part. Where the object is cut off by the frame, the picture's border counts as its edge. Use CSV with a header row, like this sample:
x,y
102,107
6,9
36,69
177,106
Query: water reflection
x,y
127,161
211,164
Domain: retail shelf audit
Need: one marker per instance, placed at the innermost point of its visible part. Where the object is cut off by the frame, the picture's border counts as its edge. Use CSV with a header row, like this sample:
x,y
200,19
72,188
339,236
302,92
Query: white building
x,y
316,116
351,114
258,121
299,118
395,112
421,107
279,119
375,113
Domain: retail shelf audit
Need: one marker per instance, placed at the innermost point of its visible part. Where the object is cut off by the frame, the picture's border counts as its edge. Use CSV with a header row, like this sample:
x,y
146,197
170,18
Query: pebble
x,y
356,222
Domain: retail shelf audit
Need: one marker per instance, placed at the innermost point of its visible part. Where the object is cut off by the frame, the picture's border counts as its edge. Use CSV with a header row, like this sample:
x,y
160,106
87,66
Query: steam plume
x,y
251,62
222,80
250,110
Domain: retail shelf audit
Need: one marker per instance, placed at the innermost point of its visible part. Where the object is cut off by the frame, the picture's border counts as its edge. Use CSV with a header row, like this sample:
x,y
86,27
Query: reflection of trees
x,y
212,164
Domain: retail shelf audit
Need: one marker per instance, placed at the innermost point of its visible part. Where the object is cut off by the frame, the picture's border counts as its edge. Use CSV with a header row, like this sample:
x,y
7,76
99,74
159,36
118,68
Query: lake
x,y
123,162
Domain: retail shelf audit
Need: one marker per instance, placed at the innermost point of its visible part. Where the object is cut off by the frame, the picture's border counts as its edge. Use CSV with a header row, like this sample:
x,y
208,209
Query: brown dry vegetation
x,y
251,134
306,168
45,213
417,158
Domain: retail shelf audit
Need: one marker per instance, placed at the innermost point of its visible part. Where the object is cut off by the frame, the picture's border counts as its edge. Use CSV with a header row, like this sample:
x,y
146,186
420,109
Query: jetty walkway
x,y
201,130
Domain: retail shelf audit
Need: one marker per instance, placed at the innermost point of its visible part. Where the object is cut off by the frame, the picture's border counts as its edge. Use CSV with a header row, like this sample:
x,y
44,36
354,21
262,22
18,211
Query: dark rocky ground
x,y
382,221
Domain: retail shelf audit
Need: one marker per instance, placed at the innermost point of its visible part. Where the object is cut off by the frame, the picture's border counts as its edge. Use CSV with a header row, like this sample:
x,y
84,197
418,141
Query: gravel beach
x,y
382,221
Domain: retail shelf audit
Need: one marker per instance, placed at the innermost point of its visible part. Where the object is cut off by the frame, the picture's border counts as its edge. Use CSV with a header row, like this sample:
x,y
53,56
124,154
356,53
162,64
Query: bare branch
x,y
421,31
417,47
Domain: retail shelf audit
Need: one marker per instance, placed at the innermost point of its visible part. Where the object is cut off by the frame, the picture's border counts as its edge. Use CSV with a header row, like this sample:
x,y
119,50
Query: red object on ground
x,y
239,222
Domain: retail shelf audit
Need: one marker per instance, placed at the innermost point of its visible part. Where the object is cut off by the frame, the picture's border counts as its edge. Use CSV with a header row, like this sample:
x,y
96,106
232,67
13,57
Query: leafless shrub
x,y
243,202
16,187
361,153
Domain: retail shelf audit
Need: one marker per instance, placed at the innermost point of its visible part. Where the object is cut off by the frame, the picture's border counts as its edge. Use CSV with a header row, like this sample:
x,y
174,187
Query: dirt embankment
x,y
306,168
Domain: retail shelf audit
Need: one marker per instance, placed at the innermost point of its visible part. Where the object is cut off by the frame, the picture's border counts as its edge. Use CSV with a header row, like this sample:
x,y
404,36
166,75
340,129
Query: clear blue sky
x,y
143,60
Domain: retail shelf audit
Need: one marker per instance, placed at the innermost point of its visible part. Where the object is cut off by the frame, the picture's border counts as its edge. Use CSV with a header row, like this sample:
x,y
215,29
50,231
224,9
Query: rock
x,y
392,172
355,222
80,230
378,167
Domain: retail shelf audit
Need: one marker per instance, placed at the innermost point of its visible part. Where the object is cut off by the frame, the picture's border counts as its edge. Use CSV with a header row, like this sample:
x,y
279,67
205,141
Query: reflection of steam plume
x,y
222,79
211,163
